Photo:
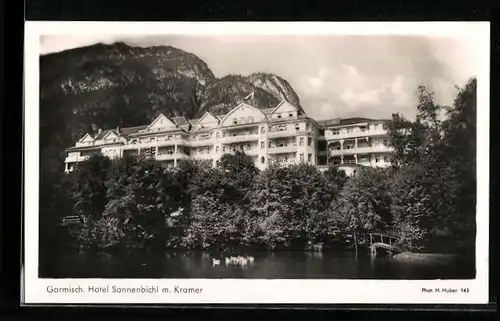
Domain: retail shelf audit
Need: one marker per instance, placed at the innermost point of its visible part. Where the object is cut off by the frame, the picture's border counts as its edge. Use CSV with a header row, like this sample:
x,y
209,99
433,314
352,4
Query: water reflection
x,y
263,265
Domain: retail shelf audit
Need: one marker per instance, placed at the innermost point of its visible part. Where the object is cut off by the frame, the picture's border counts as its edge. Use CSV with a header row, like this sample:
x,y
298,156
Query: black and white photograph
x,y
254,156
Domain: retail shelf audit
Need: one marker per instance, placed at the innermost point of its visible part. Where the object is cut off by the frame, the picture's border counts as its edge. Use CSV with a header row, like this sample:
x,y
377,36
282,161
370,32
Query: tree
x,y
239,172
142,193
89,189
289,206
440,158
335,180
365,203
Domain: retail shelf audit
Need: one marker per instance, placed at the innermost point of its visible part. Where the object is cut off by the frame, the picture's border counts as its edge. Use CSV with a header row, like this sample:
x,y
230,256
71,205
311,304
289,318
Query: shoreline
x,y
425,257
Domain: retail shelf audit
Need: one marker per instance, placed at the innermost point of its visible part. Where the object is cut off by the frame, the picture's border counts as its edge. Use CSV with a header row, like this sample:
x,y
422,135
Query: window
x,y
384,142
269,144
294,142
309,141
223,134
301,157
290,115
377,159
262,159
262,130
301,141
223,149
235,121
309,157
307,126
297,127
335,132
216,149
217,134
262,145
279,116
386,159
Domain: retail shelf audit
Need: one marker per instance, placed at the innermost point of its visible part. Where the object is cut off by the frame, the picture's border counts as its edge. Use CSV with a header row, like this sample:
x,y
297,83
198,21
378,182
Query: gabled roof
x,y
238,107
205,115
282,101
160,116
85,137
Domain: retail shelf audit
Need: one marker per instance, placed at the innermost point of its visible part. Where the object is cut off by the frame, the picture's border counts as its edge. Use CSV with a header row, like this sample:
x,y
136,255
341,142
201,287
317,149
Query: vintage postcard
x,y
330,163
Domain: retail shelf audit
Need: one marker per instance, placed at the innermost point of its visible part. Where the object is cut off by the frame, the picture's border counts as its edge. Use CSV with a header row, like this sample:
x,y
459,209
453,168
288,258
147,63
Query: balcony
x,y
282,150
76,159
201,142
240,138
356,133
362,150
208,156
284,133
162,157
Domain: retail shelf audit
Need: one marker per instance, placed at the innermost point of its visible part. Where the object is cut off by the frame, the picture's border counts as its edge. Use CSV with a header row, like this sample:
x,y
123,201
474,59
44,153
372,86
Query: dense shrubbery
x,y
426,196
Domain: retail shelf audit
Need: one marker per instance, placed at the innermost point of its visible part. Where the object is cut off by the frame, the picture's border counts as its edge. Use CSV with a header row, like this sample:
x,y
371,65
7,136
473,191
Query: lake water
x,y
266,265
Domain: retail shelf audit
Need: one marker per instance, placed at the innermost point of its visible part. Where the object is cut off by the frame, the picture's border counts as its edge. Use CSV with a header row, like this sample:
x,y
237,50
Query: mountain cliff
x,y
105,86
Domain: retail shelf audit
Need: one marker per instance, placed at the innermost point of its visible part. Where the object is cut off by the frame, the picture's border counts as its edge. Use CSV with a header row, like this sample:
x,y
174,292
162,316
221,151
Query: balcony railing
x,y
356,133
361,150
284,133
281,150
201,142
240,138
76,158
161,157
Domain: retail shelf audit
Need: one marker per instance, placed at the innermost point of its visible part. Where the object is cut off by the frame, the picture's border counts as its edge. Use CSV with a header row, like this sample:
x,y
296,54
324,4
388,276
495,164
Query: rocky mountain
x,y
105,86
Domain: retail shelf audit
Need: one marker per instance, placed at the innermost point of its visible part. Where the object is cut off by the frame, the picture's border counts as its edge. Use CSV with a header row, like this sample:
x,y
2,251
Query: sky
x,y
334,76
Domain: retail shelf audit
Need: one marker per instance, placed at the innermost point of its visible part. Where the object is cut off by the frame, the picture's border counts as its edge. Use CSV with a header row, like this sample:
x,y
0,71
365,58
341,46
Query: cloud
x,y
334,76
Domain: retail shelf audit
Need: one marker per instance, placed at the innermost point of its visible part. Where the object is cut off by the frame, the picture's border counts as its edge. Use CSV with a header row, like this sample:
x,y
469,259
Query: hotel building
x,y
283,134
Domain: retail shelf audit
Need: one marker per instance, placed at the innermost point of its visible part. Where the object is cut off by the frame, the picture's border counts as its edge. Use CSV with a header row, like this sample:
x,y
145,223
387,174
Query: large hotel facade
x,y
282,134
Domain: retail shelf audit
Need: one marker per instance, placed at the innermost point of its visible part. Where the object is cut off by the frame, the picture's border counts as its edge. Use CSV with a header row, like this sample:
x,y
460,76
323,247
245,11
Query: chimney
x,y
117,129
99,131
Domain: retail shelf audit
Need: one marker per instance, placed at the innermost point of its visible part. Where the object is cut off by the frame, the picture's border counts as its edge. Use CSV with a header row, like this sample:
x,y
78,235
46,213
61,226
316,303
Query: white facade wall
x,y
282,136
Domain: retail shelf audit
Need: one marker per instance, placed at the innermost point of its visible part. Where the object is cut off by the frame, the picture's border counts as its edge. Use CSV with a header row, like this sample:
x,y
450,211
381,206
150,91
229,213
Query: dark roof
x,y
92,146
180,120
131,130
268,111
354,120
329,122
104,133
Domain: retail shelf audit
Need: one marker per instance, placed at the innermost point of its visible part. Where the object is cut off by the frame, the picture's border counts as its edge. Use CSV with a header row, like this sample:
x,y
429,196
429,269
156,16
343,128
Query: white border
x,y
257,291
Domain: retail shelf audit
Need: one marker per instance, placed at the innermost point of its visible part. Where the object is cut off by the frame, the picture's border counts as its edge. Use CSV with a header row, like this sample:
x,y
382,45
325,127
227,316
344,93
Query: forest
x,y
427,197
